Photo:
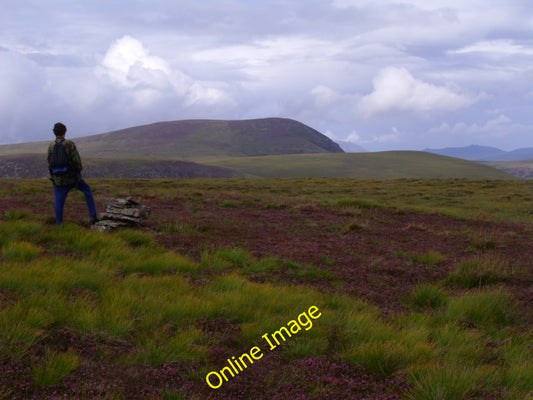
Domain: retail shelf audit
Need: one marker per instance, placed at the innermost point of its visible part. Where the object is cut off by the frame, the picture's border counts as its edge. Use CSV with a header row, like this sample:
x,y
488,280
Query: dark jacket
x,y
73,174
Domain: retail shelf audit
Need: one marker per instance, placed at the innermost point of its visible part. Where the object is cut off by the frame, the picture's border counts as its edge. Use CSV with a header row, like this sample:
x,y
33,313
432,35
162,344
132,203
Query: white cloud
x,y
199,94
324,96
394,136
315,61
396,89
353,137
496,48
129,64
500,126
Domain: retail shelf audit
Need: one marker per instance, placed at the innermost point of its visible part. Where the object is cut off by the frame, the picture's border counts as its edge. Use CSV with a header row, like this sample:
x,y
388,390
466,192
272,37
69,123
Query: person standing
x,y
64,165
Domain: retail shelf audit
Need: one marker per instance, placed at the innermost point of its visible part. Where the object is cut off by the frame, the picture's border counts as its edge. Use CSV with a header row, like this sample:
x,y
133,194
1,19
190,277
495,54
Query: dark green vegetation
x,y
424,288
271,147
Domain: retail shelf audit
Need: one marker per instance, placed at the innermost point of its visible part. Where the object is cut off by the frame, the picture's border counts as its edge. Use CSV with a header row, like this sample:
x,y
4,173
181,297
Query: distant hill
x,y
196,139
484,153
200,139
270,147
516,155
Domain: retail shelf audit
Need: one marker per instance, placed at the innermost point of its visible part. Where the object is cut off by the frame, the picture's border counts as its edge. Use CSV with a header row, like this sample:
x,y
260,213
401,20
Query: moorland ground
x,y
425,289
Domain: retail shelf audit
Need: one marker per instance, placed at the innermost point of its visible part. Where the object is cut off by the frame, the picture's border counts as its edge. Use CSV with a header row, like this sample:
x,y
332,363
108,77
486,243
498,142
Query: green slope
x,y
193,139
380,165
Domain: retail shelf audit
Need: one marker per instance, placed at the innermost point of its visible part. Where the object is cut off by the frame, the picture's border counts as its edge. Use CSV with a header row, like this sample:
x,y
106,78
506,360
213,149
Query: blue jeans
x,y
61,193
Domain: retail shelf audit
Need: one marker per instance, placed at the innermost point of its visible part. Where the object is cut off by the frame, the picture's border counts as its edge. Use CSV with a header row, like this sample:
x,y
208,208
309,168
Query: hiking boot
x,y
93,220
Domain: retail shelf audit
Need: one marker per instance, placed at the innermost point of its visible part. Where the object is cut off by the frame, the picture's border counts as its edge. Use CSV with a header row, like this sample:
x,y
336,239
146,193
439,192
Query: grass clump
x,y
226,258
164,347
428,295
382,347
490,309
136,238
55,367
480,271
383,358
14,230
518,369
429,258
265,265
151,263
229,204
443,382
17,214
21,251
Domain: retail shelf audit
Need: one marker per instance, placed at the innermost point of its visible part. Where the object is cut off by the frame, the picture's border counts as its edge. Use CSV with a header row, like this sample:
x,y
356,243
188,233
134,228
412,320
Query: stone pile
x,y
121,212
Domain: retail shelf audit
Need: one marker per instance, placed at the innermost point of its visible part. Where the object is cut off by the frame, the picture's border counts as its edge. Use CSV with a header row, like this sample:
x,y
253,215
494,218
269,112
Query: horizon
x,y
339,142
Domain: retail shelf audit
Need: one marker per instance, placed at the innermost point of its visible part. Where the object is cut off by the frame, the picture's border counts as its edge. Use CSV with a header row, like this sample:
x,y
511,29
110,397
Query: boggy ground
x,y
378,254
374,253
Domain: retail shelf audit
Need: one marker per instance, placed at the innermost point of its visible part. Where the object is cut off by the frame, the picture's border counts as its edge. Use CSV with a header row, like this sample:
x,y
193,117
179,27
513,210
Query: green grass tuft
x,y
164,347
55,367
136,238
443,382
17,214
429,258
490,309
481,270
383,358
428,295
21,251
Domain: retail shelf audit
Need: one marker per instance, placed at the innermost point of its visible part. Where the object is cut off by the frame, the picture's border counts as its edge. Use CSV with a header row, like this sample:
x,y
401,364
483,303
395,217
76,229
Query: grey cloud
x,y
316,61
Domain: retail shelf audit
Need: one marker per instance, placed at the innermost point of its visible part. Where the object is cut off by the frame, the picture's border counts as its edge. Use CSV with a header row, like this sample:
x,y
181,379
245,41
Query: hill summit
x,y
204,139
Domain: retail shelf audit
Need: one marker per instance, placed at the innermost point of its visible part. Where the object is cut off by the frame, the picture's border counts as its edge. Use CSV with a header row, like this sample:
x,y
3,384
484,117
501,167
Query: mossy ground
x,y
415,305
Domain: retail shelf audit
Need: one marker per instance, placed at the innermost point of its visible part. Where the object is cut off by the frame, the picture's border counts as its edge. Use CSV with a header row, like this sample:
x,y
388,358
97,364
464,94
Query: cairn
x,y
121,212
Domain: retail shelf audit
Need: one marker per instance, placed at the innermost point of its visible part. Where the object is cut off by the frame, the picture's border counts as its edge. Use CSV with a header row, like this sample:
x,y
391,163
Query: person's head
x,y
60,129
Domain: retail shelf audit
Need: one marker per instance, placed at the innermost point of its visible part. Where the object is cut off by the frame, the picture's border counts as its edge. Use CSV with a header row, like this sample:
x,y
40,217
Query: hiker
x,y
65,167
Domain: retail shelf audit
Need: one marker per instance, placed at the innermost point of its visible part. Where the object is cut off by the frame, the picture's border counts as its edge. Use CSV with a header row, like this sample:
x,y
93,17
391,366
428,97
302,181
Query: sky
x,y
382,74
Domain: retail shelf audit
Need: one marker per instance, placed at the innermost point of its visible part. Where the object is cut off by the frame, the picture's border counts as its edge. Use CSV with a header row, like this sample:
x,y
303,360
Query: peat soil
x,y
372,253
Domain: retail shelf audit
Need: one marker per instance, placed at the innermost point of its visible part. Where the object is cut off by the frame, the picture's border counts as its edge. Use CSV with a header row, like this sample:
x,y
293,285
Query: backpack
x,y
59,160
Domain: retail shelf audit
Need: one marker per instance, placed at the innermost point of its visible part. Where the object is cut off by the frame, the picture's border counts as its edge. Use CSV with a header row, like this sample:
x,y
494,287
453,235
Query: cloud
x,y
24,97
130,65
325,96
353,137
496,48
499,126
394,136
320,62
395,89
